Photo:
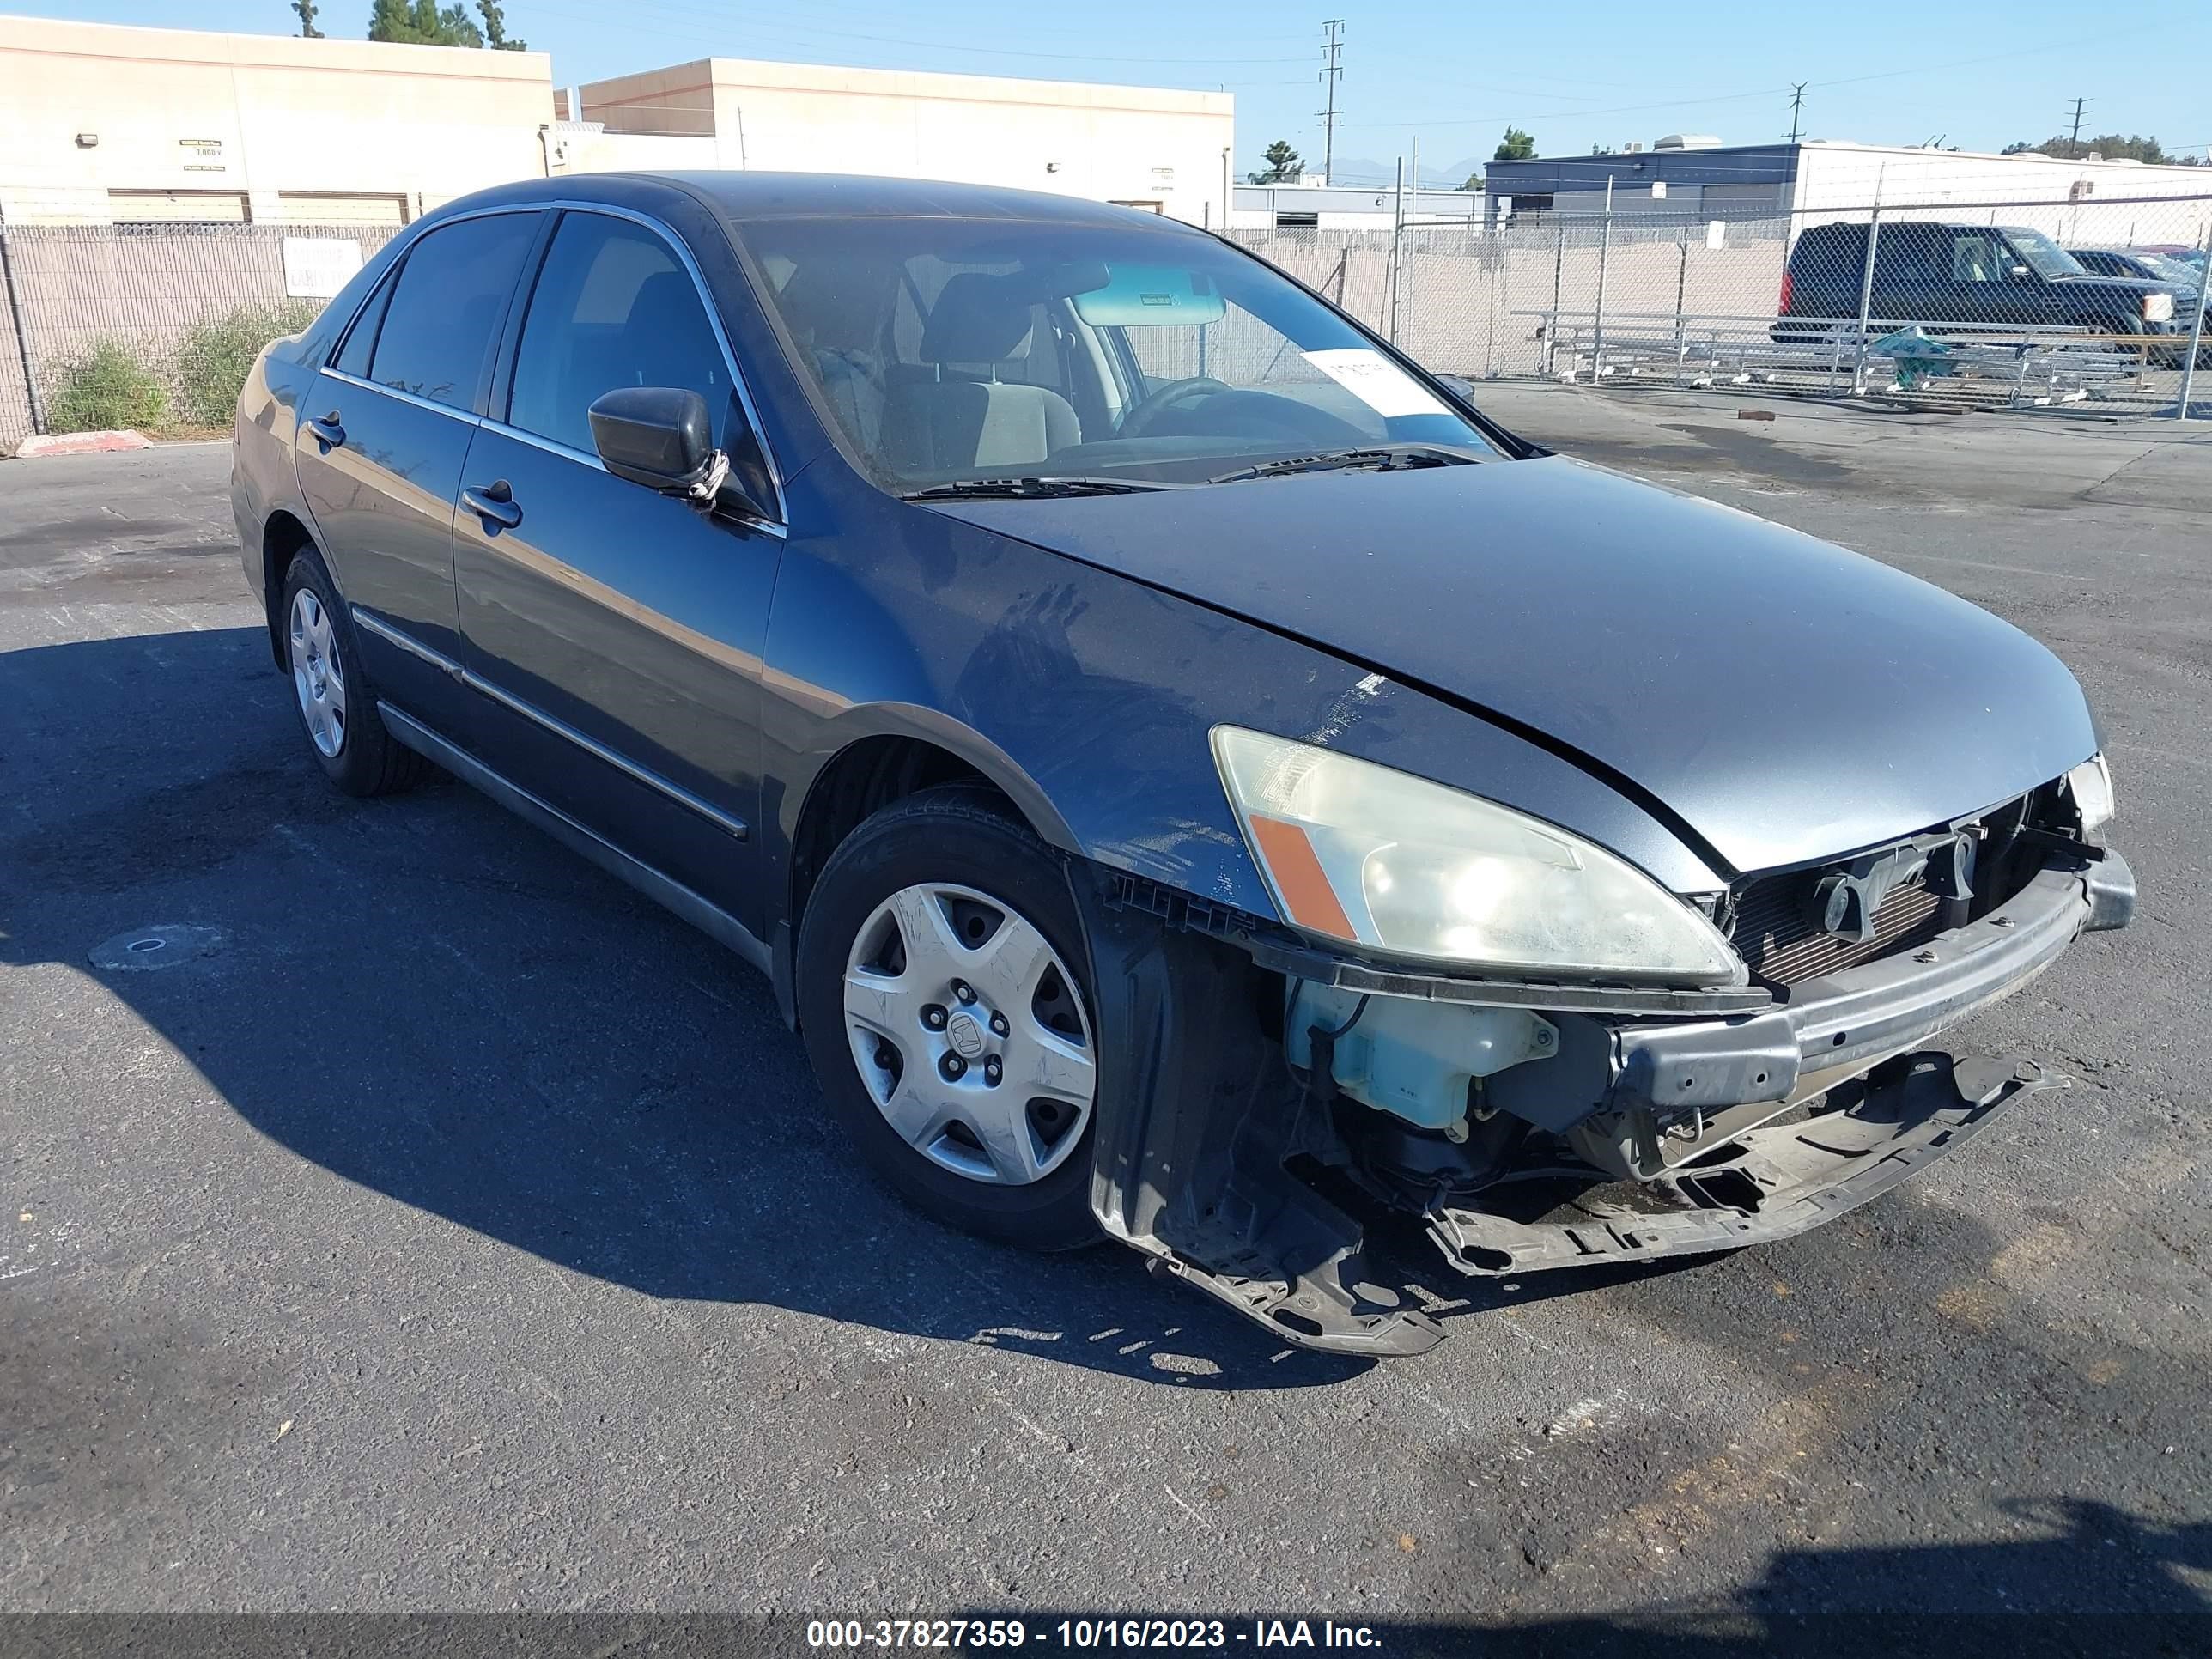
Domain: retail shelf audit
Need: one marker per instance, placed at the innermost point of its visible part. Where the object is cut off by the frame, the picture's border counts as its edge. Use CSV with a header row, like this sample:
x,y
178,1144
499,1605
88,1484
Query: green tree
x,y
307,10
421,23
1472,181
2115,147
494,28
1516,146
1283,164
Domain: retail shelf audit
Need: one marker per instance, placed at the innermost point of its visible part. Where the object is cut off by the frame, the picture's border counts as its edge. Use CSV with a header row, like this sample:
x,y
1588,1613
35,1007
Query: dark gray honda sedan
x,y
1187,773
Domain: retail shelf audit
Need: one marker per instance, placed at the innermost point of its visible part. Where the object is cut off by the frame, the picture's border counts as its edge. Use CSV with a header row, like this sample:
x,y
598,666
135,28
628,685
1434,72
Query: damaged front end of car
x,y
1270,1087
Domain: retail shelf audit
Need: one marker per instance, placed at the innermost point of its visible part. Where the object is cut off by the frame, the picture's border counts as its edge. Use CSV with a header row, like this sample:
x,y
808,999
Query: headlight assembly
x,y
2091,785
1376,857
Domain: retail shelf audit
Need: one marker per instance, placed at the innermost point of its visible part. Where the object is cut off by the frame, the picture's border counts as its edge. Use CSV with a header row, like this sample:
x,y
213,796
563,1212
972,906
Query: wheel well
x,y
864,779
281,538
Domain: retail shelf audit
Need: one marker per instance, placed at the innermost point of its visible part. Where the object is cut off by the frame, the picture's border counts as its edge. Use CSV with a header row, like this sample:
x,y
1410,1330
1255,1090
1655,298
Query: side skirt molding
x,y
709,918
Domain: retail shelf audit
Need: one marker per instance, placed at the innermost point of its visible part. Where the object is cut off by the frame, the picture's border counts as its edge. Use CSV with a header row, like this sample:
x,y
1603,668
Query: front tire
x,y
336,703
940,991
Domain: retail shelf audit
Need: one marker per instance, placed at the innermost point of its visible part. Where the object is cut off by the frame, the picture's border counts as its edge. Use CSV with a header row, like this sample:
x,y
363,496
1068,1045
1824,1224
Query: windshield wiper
x,y
1040,486
1382,458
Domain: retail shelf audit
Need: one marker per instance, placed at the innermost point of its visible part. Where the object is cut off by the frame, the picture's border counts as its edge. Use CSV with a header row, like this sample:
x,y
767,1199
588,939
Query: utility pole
x,y
1332,70
2075,142
1797,104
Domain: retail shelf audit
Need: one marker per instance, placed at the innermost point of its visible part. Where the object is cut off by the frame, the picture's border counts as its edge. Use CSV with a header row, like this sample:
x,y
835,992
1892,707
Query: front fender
x,y
1089,698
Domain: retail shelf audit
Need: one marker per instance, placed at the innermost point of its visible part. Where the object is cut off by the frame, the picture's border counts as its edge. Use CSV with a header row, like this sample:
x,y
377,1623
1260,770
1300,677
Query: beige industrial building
x,y
110,125
107,124
1145,147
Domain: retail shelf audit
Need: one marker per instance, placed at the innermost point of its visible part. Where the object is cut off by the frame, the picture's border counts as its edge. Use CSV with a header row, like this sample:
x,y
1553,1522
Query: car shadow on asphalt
x,y
435,1002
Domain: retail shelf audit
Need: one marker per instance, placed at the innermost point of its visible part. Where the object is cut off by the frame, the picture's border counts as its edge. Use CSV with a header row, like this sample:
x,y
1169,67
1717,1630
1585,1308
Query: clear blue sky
x,y
1449,75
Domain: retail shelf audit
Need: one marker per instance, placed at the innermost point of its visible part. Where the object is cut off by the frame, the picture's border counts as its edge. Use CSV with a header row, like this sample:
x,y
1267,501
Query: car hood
x,y
1785,700
2135,284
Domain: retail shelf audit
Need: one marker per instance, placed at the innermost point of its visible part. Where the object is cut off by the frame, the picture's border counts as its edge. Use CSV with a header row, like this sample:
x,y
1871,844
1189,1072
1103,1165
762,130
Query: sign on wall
x,y
317,267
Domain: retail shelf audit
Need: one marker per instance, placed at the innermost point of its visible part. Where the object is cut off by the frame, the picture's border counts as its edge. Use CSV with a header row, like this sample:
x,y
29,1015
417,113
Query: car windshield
x,y
2046,256
2172,268
952,351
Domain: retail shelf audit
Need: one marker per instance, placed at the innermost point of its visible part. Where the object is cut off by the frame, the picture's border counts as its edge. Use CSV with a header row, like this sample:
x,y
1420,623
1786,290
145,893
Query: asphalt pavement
x,y
427,1223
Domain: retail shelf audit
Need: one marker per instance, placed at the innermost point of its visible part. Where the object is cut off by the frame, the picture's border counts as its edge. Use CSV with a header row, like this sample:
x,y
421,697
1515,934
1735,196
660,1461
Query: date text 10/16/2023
x,y
1084,1634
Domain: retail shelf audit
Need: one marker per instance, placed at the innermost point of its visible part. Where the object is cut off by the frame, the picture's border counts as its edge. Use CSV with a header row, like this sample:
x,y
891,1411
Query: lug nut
x,y
993,1071
953,1067
963,990
933,1017
998,1023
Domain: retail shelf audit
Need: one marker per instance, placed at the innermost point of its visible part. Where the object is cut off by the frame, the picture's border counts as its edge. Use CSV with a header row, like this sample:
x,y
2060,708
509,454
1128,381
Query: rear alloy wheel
x,y
318,679
943,1008
336,704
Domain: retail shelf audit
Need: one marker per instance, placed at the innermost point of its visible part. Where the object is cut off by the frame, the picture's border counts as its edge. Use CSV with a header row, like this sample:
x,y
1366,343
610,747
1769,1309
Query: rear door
x,y
1910,285
390,419
617,633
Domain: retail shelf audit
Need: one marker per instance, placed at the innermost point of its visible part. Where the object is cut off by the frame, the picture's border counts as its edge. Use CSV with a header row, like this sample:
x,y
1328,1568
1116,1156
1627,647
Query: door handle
x,y
493,504
328,431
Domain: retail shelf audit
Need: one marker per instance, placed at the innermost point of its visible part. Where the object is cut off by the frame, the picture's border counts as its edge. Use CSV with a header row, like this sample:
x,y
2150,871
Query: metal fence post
x,y
1597,319
1866,291
1397,246
22,343
1681,286
1551,316
2195,332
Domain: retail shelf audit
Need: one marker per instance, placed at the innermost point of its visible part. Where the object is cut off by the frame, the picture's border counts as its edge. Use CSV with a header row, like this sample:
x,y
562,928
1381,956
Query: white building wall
x,y
2086,203
1145,145
265,118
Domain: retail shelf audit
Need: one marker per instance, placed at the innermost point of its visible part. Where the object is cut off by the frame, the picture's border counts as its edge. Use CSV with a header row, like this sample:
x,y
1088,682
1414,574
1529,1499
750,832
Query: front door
x,y
381,442
615,633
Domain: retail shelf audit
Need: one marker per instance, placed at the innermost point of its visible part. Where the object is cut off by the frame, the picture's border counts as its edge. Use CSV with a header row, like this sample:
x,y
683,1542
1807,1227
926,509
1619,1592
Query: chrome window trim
x,y
415,232
675,246
469,416
735,827
774,527
408,237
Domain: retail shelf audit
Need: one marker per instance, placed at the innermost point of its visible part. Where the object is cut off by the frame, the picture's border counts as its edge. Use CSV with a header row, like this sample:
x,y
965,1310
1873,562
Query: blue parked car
x,y
1189,775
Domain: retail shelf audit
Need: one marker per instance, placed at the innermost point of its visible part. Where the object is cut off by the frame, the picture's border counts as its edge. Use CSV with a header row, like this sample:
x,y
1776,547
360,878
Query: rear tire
x,y
331,694
942,944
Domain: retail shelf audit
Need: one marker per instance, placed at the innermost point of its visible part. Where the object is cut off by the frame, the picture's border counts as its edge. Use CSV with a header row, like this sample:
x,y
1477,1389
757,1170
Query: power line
x,y
1697,101
1796,105
1332,70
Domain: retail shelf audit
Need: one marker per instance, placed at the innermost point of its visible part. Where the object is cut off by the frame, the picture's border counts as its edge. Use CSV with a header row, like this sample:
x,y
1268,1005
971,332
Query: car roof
x,y
740,197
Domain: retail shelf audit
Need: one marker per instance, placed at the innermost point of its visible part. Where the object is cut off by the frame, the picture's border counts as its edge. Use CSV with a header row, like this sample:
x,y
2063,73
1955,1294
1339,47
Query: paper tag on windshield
x,y
1377,382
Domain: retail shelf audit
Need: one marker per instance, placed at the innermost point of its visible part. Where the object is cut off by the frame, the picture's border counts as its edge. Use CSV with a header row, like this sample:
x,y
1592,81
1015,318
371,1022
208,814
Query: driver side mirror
x,y
663,437
1459,385
2016,272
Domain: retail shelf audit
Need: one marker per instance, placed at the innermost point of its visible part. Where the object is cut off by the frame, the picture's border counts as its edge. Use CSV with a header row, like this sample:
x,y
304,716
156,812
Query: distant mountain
x,y
1359,170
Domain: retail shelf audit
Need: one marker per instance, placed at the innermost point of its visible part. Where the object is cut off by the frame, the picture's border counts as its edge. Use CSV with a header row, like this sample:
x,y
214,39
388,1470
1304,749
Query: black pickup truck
x,y
1957,278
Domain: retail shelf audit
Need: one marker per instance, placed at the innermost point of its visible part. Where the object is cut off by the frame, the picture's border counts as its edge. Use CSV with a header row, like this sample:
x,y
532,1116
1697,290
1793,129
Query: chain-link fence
x,y
1992,303
154,326
1984,303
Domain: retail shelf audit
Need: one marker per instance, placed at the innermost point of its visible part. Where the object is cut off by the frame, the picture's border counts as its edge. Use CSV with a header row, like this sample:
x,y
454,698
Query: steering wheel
x,y
1142,413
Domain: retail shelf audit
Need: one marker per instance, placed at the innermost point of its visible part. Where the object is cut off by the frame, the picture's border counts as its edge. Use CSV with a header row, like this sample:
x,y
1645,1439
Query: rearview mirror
x,y
663,437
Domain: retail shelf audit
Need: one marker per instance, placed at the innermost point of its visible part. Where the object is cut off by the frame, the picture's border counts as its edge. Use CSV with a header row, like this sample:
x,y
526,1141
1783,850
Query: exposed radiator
x,y
1776,934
